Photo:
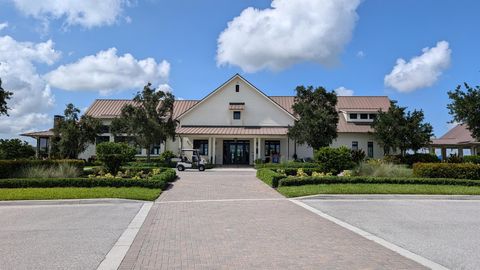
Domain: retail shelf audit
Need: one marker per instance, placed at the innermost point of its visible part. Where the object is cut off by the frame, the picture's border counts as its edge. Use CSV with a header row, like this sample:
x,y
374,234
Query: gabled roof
x,y
37,134
237,76
457,135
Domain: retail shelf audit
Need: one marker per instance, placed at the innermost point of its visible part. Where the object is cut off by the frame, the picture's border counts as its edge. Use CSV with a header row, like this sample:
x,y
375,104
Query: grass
x,y
382,170
134,193
297,191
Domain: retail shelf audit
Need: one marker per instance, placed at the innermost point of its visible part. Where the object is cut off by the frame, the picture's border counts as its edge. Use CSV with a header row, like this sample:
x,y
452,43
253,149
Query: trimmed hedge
x,y
447,170
412,159
472,159
269,177
287,165
8,168
158,181
300,181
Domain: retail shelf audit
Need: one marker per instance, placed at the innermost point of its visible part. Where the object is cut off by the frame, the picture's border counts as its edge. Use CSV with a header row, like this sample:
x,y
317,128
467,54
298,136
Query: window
x,y
354,145
237,88
236,115
272,147
372,116
104,129
101,139
363,116
202,146
353,116
155,149
370,149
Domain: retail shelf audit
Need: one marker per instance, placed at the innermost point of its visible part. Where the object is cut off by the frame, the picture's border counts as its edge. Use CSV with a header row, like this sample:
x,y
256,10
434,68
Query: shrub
x,y
10,168
79,182
300,181
358,155
270,177
113,155
166,156
472,159
411,159
289,164
334,160
64,170
447,170
454,159
378,169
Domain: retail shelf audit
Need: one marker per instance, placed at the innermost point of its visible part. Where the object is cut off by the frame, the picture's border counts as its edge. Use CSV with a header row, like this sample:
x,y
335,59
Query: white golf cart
x,y
190,159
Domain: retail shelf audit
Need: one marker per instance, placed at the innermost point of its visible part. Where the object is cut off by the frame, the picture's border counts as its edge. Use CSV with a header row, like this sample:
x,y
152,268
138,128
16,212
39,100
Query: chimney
x,y
57,119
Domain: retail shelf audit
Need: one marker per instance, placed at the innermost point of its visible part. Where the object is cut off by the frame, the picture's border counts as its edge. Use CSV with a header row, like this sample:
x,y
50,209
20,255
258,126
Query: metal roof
x,y
457,135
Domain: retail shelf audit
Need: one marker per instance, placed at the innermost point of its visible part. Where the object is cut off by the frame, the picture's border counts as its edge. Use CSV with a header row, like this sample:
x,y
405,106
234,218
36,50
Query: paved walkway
x,y
225,220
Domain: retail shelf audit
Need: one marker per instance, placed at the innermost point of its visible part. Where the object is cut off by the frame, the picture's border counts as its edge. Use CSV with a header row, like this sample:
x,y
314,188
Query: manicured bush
x,y
334,160
289,164
447,170
454,159
294,171
411,159
113,155
157,181
269,177
300,181
472,159
10,168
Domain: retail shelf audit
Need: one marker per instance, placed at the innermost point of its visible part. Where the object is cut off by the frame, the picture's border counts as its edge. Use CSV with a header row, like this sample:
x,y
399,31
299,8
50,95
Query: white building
x,y
238,124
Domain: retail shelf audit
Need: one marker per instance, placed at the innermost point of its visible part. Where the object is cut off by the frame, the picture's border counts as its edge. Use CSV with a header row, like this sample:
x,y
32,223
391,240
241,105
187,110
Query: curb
x,y
67,202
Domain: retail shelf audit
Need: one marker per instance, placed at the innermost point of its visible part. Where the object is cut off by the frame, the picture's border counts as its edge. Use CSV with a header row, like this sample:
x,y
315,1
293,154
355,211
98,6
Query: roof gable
x,y
221,87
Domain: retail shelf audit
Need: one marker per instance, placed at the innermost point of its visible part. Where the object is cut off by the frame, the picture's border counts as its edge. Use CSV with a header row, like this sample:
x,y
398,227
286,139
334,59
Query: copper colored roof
x,y
457,135
111,108
206,130
45,133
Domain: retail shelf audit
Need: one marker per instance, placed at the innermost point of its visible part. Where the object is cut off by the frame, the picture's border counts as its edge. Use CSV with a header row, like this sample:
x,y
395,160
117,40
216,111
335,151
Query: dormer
x,y
360,116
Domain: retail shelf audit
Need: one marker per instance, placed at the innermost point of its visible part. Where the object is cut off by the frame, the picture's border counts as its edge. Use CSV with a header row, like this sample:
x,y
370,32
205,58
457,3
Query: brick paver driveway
x,y
231,220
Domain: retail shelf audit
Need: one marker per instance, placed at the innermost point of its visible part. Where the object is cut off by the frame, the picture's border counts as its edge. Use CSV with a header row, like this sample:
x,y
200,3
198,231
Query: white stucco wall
x,y
346,139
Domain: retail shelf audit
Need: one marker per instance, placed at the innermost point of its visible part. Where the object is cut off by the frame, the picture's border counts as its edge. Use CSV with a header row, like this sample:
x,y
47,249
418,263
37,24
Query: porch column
x,y
37,150
260,149
210,149
214,147
473,151
444,153
254,149
460,151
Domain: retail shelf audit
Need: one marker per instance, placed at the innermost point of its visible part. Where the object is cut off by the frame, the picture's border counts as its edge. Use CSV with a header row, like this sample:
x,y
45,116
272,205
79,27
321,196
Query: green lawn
x,y
134,193
297,191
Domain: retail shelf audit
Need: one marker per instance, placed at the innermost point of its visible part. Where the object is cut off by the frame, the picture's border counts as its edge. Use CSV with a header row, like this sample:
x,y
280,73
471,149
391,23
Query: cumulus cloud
x,y
342,91
3,25
421,71
106,72
287,33
86,13
32,98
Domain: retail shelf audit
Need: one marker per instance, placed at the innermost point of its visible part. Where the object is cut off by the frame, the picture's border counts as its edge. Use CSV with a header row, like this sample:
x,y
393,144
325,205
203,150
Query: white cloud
x,y
165,88
106,72
32,98
287,33
342,91
421,71
361,54
86,13
3,25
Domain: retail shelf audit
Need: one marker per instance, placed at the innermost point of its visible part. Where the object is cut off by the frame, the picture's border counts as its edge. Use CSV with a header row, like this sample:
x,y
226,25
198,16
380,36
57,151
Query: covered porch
x,y
43,142
457,141
238,145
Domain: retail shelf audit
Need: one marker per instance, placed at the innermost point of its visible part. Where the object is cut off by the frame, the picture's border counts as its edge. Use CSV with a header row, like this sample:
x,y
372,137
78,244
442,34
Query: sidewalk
x,y
225,220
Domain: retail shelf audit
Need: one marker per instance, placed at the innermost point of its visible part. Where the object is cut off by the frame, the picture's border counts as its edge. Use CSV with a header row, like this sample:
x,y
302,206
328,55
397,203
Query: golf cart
x,y
190,159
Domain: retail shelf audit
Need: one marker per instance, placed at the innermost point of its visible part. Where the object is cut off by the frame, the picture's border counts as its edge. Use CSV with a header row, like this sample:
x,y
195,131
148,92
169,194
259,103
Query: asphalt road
x,y
442,230
68,236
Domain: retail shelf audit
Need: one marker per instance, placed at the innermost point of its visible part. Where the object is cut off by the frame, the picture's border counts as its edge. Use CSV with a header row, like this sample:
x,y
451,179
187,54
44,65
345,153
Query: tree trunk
x,y
149,149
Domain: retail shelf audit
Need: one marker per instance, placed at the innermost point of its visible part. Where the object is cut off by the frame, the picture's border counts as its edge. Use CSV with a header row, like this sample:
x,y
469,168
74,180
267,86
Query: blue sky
x,y
285,46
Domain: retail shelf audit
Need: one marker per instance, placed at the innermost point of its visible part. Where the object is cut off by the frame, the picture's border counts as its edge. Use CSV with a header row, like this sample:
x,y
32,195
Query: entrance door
x,y
236,152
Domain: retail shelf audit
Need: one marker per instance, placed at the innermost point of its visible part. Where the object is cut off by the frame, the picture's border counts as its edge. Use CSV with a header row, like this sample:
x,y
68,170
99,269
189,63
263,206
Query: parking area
x,y
443,229
61,235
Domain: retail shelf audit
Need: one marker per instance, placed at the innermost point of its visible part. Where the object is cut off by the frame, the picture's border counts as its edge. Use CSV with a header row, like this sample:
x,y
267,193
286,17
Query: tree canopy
x,y
150,120
4,96
73,134
15,149
398,129
465,107
317,117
